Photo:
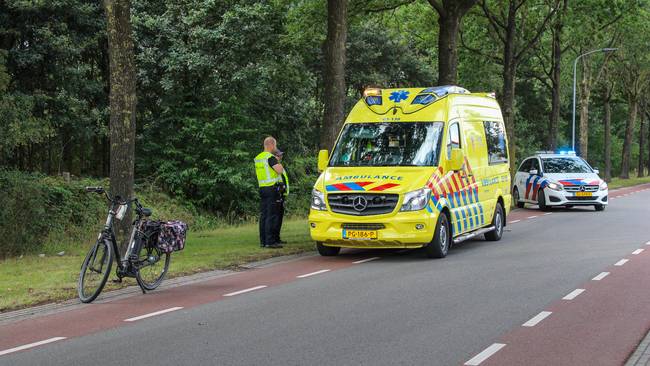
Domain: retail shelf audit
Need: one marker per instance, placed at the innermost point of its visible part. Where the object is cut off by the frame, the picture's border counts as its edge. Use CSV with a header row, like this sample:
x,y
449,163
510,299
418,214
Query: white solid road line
x,y
313,273
600,276
31,345
531,217
513,221
245,290
485,354
621,262
536,319
573,294
152,314
638,251
366,260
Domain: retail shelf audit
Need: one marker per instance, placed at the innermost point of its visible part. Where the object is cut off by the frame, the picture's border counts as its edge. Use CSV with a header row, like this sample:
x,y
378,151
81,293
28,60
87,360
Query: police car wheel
x,y
541,201
599,207
515,197
498,222
439,246
326,251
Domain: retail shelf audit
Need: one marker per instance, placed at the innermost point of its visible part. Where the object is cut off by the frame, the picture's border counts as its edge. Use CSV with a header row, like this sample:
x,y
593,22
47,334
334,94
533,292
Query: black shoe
x,y
281,242
275,246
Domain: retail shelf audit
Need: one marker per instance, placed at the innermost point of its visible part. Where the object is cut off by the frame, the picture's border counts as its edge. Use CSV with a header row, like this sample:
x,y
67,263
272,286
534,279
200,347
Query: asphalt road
x,y
400,309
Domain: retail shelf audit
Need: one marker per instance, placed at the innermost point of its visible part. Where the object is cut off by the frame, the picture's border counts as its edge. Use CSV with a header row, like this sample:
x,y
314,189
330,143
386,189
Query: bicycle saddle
x,y
146,212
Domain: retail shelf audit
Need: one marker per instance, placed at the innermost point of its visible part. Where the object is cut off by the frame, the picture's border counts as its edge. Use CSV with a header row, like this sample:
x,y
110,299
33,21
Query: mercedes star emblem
x,y
359,203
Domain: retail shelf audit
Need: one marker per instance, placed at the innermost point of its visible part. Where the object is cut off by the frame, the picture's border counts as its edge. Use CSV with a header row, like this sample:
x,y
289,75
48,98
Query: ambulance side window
x,y
453,138
495,136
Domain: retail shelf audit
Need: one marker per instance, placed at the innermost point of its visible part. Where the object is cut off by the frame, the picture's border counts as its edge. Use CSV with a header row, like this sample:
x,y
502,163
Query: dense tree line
x,y
213,79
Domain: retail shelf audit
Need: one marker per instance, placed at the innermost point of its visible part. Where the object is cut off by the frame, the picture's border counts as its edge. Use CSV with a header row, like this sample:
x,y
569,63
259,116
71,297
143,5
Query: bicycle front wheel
x,y
152,267
94,271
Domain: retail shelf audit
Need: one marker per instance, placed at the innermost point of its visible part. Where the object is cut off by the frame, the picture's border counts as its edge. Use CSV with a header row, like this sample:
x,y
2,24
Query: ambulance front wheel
x,y
439,246
498,222
326,251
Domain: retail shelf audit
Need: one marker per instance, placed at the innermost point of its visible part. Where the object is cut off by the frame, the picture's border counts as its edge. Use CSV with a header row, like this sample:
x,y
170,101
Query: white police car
x,y
548,179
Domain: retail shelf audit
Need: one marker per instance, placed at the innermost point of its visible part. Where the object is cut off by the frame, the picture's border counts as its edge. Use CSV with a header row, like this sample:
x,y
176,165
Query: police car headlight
x,y
416,200
555,186
318,200
603,186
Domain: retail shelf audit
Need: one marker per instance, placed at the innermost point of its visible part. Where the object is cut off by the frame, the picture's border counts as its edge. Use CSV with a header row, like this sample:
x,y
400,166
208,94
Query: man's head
x,y
270,144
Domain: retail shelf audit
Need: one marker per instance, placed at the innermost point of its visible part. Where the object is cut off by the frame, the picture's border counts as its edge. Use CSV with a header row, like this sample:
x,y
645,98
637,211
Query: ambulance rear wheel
x,y
326,251
498,222
515,197
439,246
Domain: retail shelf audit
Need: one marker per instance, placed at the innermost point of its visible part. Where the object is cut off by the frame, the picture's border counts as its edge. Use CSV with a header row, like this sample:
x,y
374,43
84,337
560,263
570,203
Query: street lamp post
x,y
575,64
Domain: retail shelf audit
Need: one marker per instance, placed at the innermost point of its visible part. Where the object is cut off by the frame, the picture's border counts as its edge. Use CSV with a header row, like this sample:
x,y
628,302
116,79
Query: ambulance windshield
x,y
388,144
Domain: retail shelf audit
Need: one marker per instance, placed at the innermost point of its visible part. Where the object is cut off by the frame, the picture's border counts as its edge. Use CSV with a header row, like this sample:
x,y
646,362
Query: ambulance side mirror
x,y
323,159
456,159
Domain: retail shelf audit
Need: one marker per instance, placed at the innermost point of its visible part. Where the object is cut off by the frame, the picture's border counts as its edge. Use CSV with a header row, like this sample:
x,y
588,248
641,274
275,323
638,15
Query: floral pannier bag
x,y
171,237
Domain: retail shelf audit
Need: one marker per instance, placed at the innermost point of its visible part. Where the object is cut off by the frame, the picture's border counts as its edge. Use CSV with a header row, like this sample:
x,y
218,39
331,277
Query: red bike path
x,y
611,313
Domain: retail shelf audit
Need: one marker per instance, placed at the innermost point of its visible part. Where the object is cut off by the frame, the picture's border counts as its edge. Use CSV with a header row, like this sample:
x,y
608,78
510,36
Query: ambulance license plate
x,y
359,234
583,194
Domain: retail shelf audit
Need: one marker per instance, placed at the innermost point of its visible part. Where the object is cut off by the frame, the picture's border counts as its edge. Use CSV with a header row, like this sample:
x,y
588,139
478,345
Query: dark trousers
x,y
278,227
268,215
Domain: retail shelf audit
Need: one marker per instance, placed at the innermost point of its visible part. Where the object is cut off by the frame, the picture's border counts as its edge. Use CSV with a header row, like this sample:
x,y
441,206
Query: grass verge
x,y
31,280
621,183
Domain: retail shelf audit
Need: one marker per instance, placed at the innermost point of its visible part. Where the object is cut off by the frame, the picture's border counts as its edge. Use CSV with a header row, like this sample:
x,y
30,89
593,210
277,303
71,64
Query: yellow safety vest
x,y
266,176
286,182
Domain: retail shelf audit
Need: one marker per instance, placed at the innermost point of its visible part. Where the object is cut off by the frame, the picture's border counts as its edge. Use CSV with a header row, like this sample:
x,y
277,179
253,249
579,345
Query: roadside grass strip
x,y
600,276
153,314
31,345
366,260
621,262
245,290
573,294
638,251
313,273
485,354
537,319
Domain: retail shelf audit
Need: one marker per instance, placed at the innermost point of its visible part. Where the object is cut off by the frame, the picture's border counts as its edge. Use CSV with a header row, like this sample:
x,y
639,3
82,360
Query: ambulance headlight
x,y
416,200
603,186
318,200
555,186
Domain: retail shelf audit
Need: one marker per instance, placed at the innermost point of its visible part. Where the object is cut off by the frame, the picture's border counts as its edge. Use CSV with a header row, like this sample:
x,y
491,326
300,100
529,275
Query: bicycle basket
x,y
172,236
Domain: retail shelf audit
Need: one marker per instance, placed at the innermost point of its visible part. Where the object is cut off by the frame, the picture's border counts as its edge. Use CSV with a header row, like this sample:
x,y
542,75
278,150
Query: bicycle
x,y
140,259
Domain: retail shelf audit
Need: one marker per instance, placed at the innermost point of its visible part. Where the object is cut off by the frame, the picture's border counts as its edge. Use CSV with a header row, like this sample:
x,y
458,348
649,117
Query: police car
x,y
549,179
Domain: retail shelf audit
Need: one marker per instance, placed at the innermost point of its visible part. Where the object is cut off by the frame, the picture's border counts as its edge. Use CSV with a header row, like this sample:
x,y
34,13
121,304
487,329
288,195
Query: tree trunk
x,y
122,105
585,92
607,130
647,115
556,59
448,48
633,105
508,92
642,132
334,75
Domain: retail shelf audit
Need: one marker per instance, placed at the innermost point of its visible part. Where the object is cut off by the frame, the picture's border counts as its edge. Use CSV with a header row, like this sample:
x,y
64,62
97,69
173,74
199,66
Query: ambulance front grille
x,y
362,204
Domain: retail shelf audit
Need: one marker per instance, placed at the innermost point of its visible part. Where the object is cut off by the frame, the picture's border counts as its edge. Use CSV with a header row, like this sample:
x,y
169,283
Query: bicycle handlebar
x,y
113,199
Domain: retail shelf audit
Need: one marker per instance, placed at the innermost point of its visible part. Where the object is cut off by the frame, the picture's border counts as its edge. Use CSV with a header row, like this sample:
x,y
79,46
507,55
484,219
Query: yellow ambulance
x,y
413,168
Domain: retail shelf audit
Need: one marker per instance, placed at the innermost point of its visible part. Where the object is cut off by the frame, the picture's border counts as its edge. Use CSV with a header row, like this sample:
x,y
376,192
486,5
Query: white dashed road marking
x,y
485,354
548,213
31,345
573,294
647,243
537,318
514,221
621,262
152,314
366,260
531,217
313,273
600,276
638,251
245,290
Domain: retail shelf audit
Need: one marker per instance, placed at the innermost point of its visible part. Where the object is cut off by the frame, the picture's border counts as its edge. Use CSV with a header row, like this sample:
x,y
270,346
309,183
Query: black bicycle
x,y
142,259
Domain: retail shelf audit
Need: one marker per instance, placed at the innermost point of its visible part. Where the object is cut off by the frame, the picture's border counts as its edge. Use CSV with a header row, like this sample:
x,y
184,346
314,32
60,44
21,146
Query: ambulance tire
x,y
515,197
439,246
326,251
541,201
599,207
498,221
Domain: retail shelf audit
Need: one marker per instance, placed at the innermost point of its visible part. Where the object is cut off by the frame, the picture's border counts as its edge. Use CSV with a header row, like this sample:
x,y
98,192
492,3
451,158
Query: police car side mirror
x,y
456,159
533,172
323,159
596,170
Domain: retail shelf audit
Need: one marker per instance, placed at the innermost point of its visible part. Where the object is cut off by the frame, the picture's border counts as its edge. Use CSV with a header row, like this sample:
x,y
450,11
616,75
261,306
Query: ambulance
x,y
413,168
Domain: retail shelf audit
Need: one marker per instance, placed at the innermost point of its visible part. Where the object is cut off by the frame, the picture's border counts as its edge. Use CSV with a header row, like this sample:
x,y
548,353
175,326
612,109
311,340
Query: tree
x,y
556,64
122,101
608,89
450,13
334,72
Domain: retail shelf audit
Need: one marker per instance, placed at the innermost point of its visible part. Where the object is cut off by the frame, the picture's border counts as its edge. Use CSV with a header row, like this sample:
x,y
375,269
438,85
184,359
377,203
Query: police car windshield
x,y
565,165
388,144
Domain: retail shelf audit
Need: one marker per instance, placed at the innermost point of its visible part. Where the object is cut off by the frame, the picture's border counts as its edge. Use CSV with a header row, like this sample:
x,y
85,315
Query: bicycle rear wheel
x,y
94,271
152,267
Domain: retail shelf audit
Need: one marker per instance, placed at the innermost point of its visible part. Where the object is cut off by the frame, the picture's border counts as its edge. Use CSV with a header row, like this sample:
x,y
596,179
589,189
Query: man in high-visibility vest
x,y
284,192
269,175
